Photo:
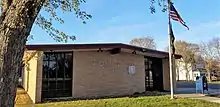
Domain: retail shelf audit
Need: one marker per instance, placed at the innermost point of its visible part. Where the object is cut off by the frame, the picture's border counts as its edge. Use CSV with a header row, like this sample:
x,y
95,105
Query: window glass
x,y
45,68
52,69
46,57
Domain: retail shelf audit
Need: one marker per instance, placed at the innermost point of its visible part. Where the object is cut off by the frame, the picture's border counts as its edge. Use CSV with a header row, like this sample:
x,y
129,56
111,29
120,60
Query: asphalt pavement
x,y
188,90
181,84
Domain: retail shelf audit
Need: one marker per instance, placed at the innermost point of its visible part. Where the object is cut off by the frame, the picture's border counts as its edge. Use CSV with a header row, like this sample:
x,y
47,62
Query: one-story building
x,y
93,70
198,72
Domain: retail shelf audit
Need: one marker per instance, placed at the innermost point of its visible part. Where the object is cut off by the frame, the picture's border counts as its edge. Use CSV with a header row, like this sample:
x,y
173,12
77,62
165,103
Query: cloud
x,y
126,17
116,19
201,32
93,6
123,33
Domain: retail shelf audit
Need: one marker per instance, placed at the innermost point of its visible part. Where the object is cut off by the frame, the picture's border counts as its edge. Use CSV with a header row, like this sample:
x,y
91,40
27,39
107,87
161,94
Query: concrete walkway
x,y
200,97
191,93
22,99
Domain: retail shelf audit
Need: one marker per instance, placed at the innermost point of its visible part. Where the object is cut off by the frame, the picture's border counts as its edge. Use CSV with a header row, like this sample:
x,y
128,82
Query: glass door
x,y
149,82
57,74
153,74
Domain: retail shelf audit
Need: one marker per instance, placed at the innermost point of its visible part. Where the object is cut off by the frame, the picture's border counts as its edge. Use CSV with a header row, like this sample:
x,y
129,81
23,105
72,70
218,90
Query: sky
x,y
119,21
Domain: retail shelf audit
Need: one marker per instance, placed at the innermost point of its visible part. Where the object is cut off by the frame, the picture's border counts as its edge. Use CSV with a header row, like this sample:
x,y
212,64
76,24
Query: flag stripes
x,y
175,15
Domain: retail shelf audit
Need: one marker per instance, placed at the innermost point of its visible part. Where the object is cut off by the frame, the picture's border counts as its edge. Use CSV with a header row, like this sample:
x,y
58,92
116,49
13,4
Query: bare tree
x,y
189,52
210,51
146,42
215,43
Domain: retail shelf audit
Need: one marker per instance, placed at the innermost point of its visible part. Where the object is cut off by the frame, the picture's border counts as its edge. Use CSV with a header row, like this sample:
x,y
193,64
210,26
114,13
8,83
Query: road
x,y
192,85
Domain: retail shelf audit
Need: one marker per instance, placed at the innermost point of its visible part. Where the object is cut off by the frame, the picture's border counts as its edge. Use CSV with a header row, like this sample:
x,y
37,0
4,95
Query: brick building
x,y
93,70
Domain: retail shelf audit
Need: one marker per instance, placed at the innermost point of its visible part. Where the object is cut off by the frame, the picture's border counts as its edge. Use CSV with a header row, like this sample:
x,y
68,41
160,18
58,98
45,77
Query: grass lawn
x,y
161,101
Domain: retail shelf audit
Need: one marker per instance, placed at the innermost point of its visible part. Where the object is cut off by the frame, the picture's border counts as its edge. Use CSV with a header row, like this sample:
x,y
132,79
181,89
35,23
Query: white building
x,y
182,72
198,72
193,71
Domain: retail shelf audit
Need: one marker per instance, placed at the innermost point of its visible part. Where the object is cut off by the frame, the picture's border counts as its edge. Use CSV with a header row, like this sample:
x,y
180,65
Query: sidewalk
x,y
191,93
22,99
200,97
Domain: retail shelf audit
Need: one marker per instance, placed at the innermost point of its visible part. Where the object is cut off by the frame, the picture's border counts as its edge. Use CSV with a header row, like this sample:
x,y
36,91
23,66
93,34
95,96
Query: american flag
x,y
175,16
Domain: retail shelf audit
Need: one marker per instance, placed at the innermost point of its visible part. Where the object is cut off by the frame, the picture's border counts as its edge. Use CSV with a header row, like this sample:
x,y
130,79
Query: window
x,y
195,75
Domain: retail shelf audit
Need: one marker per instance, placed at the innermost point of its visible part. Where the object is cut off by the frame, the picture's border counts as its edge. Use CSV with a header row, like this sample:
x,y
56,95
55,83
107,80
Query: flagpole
x,y
170,53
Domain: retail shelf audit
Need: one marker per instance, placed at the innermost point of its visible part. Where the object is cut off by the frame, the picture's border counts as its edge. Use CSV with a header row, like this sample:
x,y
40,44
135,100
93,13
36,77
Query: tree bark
x,y
209,77
187,71
15,25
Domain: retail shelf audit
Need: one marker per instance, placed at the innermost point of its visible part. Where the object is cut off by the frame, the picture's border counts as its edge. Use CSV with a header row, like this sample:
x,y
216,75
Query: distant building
x,y
181,72
198,72
193,71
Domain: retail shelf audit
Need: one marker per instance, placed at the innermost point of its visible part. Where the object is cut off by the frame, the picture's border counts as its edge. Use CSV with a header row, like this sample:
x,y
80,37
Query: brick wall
x,y
103,74
30,78
39,77
166,75
33,77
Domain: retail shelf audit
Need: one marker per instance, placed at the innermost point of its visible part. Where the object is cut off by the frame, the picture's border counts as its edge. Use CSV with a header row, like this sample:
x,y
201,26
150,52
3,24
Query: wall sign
x,y
131,69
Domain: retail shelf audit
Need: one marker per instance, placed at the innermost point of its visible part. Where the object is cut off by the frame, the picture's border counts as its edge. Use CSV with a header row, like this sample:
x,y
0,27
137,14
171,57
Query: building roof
x,y
43,47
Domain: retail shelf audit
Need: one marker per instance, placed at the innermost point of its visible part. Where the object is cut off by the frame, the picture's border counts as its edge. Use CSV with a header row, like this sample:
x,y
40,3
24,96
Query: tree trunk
x,y
209,78
187,76
187,71
16,22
